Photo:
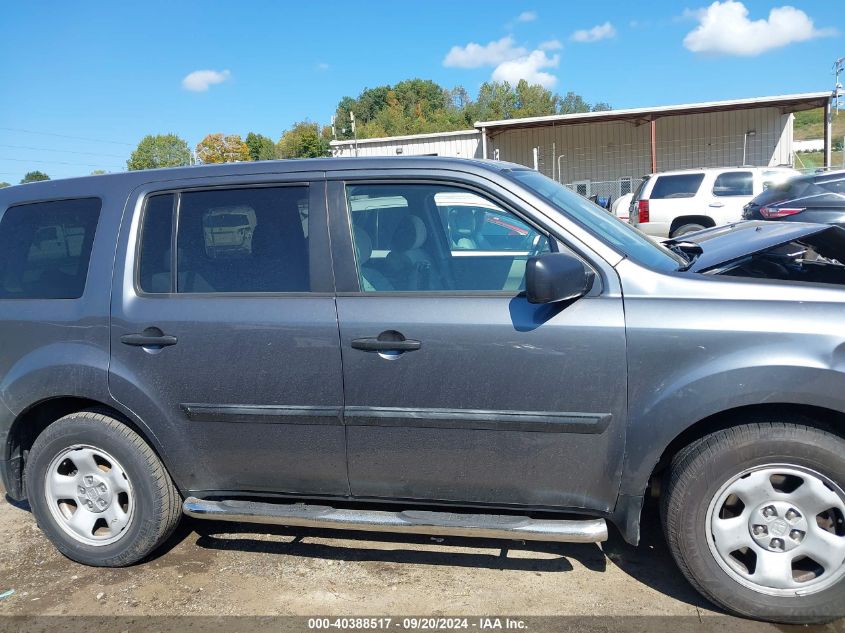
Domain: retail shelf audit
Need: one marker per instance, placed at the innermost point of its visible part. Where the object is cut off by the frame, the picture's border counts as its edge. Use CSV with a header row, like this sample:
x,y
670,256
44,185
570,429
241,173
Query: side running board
x,y
406,521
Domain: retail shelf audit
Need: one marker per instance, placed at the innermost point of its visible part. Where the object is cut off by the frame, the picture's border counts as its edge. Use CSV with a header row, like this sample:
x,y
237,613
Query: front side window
x,y
228,240
678,186
428,237
734,183
45,248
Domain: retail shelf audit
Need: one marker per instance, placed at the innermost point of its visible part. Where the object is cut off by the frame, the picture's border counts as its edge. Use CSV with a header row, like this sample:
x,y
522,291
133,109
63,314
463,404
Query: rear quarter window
x,y
677,186
45,248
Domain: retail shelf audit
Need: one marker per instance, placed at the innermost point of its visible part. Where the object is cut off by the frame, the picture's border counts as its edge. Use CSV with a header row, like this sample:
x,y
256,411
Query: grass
x,y
809,124
811,160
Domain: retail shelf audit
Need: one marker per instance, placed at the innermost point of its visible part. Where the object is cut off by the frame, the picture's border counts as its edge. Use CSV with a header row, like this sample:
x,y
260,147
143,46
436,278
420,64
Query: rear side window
x,y
734,183
45,248
679,186
833,186
251,239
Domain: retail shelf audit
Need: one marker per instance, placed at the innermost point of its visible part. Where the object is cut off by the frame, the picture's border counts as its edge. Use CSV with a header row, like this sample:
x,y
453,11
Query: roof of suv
x,y
705,170
284,166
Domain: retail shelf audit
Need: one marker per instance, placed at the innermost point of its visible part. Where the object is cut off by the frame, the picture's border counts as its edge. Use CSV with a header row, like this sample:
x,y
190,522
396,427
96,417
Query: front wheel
x,y
99,492
755,518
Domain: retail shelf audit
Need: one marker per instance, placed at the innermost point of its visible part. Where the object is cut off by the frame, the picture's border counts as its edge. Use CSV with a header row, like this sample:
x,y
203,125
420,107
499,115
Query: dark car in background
x,y
812,198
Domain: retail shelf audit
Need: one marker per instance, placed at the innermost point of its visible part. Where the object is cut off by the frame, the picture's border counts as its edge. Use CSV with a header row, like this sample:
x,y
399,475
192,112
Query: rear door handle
x,y
717,204
386,343
147,340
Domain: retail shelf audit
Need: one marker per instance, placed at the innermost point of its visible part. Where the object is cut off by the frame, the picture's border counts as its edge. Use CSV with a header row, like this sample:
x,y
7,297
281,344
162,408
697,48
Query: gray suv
x,y
430,346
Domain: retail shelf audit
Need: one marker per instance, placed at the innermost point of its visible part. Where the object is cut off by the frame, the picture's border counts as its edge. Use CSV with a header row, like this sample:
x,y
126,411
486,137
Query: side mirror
x,y
553,277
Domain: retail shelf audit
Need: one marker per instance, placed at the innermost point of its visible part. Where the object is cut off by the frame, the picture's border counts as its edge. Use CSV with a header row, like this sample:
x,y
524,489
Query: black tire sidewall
x,y
139,537
711,472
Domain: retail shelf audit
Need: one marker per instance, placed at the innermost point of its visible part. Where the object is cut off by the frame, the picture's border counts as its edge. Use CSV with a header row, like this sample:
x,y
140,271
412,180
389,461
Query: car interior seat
x,y
371,278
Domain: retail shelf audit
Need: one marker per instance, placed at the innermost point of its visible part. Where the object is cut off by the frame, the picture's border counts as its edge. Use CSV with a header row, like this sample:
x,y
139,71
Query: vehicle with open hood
x,y
428,346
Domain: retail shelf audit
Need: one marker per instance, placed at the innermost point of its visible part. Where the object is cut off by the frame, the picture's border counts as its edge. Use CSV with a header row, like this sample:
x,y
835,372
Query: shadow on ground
x,y
650,563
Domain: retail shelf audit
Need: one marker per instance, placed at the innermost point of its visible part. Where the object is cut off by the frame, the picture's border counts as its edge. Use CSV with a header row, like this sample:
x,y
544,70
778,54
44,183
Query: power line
x,y
64,151
77,138
58,162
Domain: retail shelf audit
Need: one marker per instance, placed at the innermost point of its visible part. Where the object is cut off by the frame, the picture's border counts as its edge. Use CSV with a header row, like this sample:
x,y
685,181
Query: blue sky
x,y
111,72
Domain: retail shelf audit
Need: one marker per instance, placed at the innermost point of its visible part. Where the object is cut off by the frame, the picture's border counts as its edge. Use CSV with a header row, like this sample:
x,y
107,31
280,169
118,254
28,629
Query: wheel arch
x,y
704,220
628,508
34,419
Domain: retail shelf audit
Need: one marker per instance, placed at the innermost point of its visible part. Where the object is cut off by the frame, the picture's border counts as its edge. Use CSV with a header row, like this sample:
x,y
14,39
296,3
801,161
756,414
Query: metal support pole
x,y
536,159
484,143
653,146
828,133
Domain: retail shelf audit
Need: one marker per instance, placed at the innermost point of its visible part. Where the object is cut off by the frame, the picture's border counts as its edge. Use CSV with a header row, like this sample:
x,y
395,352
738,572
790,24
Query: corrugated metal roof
x,y
409,137
790,103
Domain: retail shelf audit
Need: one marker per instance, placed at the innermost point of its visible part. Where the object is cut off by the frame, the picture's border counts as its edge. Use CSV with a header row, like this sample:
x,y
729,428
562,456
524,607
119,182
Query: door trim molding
x,y
262,414
479,419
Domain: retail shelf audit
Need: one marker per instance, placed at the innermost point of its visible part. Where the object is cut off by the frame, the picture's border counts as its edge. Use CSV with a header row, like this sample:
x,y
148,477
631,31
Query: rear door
x,y
731,190
458,389
224,333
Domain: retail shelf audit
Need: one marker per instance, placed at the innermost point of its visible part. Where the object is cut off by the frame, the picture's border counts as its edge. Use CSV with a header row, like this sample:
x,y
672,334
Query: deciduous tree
x,y
260,147
160,150
34,176
304,139
217,148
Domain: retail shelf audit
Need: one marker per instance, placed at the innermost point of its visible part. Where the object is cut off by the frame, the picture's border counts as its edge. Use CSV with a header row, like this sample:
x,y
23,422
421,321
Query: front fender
x,y
659,416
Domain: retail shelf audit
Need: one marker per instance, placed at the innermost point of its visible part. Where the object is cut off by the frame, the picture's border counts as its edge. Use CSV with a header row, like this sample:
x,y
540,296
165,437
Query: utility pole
x,y
354,132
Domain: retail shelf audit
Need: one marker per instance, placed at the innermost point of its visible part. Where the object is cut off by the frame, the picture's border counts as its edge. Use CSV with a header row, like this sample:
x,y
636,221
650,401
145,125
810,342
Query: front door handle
x,y
148,339
388,341
717,204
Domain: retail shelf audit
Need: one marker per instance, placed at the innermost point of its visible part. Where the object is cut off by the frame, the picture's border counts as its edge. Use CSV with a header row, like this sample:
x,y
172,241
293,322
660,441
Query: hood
x,y
722,244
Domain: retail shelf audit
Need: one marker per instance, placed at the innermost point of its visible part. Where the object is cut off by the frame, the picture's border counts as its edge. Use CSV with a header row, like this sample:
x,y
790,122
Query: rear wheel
x,y
755,518
99,492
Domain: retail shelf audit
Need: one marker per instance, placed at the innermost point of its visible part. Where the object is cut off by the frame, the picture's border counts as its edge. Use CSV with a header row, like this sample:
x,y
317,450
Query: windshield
x,y
623,237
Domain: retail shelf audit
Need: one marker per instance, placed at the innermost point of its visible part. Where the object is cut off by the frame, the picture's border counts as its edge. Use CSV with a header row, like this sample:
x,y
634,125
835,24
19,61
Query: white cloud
x,y
599,32
527,16
528,68
475,55
550,45
724,27
200,80
323,66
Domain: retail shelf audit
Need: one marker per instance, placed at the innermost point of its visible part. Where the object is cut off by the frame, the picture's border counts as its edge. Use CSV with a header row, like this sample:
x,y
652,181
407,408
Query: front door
x,y
224,335
456,388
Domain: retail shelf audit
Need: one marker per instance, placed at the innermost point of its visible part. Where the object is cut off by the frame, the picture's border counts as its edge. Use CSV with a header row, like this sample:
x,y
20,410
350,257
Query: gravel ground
x,y
215,569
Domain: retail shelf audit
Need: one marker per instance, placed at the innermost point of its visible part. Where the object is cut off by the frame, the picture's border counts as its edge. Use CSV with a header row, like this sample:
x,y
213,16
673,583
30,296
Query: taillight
x,y
642,211
779,212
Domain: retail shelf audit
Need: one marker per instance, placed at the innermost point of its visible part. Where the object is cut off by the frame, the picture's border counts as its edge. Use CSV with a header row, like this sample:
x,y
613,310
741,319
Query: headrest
x,y
410,234
363,246
463,221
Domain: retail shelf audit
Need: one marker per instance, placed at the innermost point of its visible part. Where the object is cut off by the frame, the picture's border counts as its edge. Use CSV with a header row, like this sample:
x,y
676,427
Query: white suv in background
x,y
672,203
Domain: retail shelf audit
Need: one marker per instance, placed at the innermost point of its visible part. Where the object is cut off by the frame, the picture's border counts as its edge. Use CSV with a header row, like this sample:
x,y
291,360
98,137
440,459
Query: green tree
x,y
217,148
260,147
34,176
534,100
98,172
3,185
420,105
161,150
573,104
304,139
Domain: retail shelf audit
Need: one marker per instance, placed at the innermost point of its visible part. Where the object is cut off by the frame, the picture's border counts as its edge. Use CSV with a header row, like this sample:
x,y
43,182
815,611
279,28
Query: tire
x,y
749,487
687,228
99,492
